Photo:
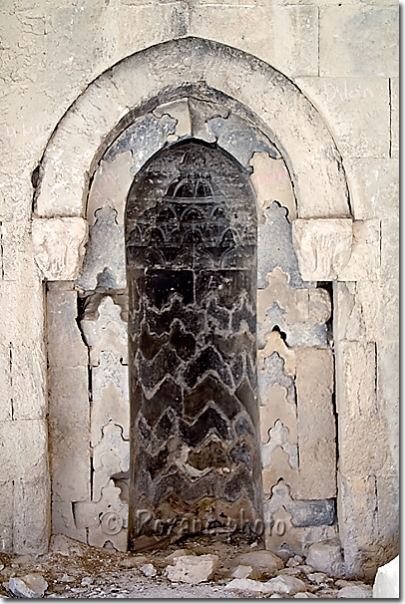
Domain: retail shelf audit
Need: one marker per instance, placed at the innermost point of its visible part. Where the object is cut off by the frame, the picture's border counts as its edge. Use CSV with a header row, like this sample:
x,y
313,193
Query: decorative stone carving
x,y
300,313
109,370
108,333
275,343
104,263
178,110
106,520
279,438
277,406
271,181
276,228
323,246
291,521
110,457
191,239
59,246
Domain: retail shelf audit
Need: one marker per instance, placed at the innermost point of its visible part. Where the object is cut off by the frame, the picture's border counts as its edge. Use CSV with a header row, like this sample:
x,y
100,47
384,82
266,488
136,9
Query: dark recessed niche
x,y
191,265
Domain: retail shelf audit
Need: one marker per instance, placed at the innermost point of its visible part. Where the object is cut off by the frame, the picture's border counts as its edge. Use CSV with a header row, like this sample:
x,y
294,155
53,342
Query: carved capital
x,y
323,246
59,246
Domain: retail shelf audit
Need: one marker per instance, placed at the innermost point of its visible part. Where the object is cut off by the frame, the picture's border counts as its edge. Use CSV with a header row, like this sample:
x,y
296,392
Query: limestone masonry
x,y
199,276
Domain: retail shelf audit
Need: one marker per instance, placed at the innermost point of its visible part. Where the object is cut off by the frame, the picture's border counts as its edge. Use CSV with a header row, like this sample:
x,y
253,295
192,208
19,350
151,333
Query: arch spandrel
x,y
290,119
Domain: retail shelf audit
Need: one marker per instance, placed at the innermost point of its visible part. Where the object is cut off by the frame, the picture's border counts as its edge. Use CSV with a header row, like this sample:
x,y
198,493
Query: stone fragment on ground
x,y
265,564
304,594
60,544
355,591
192,569
286,584
242,572
148,570
250,585
294,561
386,583
66,578
318,578
326,558
177,553
30,586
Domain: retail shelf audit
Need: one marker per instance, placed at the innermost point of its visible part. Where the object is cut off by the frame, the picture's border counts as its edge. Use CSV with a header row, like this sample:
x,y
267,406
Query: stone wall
x,y
343,59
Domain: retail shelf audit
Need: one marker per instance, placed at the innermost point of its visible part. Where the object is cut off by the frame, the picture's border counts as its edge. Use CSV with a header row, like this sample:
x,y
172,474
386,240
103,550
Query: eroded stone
x,y
192,569
323,247
59,245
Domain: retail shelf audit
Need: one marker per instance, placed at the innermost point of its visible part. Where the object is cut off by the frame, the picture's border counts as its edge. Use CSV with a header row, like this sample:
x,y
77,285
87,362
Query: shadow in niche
x,y
191,268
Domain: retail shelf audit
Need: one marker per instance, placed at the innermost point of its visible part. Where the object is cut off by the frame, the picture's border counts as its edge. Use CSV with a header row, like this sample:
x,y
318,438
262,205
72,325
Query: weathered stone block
x,y
359,40
271,181
374,187
364,262
180,111
110,457
323,247
70,462
59,245
28,375
6,391
233,27
357,110
388,513
65,344
300,313
108,332
63,182
388,371
22,313
6,515
110,186
16,463
386,584
69,433
390,250
63,521
326,558
276,227
104,262
316,424
17,260
361,426
106,520
356,310
357,505
394,104
32,514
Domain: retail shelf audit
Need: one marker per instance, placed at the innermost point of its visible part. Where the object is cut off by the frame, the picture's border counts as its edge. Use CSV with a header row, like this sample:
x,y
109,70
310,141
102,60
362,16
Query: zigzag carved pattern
x,y
193,356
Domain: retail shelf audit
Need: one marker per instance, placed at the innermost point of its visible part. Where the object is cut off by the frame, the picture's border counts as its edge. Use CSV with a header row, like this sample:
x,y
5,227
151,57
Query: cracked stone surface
x,y
74,570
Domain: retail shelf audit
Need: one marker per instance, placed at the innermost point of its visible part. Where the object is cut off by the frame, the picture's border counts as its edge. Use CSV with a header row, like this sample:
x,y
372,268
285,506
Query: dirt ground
x,y
74,570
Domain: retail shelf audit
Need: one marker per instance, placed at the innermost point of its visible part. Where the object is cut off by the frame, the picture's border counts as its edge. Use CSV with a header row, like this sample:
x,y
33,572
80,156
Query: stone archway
x,y
322,227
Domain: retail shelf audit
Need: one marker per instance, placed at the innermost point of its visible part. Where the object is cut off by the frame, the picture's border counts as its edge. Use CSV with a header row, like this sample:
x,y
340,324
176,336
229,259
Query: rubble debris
x,y
192,569
29,586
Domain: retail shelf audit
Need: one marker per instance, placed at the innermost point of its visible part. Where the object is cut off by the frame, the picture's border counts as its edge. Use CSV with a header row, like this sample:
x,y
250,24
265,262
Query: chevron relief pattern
x,y
191,233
